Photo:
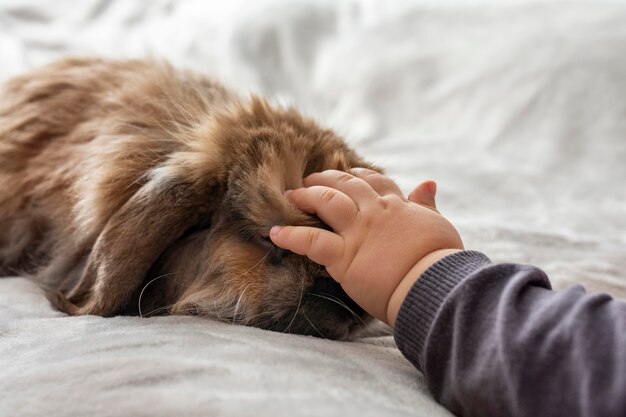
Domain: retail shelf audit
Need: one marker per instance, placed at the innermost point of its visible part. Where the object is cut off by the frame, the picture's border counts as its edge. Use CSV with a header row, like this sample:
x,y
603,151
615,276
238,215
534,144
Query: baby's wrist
x,y
403,288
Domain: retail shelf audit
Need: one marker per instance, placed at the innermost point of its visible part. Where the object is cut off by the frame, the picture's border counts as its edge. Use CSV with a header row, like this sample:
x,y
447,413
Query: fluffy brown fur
x,y
129,187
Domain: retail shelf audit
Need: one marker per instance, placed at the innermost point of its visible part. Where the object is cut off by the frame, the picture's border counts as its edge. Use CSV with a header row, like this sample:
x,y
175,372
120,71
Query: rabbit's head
x,y
195,235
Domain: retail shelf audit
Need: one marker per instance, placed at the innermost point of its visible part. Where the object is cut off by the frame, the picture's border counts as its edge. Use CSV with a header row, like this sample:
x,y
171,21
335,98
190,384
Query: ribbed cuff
x,y
426,297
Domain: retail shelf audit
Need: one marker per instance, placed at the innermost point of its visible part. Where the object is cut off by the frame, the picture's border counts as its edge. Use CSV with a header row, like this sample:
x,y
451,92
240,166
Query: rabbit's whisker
x,y
299,304
146,286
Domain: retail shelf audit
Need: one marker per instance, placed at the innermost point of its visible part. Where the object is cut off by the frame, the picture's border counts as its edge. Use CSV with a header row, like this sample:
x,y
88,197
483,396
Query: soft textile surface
x,y
518,110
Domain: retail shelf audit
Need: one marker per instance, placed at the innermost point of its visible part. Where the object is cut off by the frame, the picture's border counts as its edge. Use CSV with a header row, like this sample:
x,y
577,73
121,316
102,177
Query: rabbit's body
x,y
131,187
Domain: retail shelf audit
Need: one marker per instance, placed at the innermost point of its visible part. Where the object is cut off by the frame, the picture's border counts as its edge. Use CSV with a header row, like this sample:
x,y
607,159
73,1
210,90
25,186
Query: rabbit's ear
x,y
132,240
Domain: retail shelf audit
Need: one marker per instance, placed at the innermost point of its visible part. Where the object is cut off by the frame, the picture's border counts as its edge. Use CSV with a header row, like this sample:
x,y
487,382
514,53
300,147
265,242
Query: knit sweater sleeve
x,y
496,340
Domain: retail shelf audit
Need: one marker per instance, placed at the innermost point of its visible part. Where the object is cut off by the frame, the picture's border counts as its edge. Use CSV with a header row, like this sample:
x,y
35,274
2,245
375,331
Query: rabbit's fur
x,y
129,187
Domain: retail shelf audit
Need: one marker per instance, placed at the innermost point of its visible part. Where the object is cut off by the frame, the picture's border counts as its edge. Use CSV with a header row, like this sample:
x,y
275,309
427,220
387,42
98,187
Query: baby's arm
x,y
495,340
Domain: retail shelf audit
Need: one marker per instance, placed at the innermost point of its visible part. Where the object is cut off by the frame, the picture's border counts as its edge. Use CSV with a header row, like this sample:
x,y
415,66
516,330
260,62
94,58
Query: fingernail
x,y
275,230
432,187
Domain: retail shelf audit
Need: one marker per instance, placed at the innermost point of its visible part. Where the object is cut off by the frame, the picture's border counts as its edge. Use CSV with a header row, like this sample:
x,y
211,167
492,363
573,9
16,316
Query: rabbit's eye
x,y
276,254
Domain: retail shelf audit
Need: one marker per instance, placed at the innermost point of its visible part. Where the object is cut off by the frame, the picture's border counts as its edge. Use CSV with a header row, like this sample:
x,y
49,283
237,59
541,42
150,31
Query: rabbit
x,y
132,188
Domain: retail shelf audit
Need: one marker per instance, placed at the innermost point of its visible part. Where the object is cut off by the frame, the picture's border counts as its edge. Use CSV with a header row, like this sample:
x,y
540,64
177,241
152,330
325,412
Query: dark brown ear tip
x,y
61,303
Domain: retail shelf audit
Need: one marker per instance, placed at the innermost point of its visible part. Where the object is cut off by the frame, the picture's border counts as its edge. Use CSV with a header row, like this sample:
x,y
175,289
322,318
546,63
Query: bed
x,y
517,109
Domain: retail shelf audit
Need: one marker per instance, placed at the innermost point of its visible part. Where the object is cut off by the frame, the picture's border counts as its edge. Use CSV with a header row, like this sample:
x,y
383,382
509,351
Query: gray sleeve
x,y
495,340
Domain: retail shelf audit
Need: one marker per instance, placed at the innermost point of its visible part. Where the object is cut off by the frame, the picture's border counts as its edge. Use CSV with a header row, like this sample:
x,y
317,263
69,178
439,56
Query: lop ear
x,y
132,240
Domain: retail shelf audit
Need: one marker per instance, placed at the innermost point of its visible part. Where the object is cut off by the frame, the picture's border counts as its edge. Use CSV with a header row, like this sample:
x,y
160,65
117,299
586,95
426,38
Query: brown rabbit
x,y
129,187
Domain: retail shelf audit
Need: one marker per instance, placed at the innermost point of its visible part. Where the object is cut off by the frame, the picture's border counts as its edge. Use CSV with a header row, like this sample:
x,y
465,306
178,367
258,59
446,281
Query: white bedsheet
x,y
518,110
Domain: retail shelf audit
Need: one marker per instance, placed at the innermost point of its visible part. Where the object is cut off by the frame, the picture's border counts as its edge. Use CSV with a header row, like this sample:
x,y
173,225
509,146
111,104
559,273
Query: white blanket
x,y
518,110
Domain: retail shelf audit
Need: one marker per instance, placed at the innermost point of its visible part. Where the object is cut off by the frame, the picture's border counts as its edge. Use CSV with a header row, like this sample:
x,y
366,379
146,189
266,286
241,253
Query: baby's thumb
x,y
424,194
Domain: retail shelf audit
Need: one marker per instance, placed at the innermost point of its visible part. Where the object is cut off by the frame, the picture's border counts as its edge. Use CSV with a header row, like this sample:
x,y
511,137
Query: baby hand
x,y
381,242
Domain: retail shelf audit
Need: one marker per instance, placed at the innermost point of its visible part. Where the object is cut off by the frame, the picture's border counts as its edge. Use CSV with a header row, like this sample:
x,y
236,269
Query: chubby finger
x,y
319,245
355,188
382,184
424,194
332,206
